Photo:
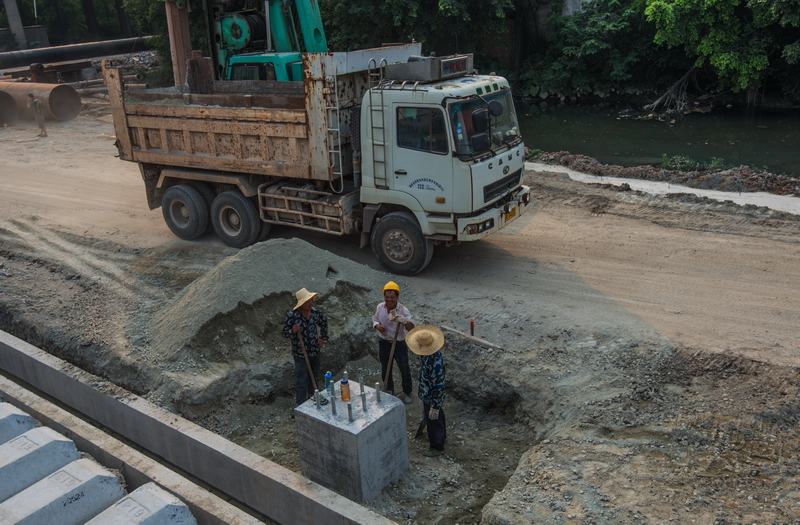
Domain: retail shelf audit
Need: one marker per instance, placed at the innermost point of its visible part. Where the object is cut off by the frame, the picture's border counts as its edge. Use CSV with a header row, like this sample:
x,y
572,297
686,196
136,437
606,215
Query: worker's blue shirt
x,y
431,379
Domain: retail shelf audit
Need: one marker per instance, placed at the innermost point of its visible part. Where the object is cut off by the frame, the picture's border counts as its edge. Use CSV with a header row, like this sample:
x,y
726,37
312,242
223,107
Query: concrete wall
x,y
280,494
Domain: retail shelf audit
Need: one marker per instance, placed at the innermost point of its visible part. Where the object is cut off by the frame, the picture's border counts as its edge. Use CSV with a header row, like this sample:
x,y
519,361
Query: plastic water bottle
x,y
345,387
328,377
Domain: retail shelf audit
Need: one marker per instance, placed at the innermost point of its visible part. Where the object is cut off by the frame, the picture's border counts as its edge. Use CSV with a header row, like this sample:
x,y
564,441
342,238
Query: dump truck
x,y
407,151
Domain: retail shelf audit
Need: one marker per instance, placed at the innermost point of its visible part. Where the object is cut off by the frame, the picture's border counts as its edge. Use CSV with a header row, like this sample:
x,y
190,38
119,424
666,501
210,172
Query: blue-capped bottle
x,y
328,377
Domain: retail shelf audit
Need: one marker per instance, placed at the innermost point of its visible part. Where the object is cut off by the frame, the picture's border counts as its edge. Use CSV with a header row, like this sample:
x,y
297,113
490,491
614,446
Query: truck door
x,y
422,162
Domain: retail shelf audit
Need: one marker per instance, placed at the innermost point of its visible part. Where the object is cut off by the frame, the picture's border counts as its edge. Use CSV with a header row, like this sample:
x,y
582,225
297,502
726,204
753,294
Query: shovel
x,y
322,399
421,428
391,358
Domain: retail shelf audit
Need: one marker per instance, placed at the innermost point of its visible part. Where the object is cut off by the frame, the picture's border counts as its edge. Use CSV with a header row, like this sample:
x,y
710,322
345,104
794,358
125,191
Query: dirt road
x,y
646,340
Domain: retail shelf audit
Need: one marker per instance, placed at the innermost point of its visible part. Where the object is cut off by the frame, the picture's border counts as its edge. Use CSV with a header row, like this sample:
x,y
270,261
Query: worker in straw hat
x,y
300,326
392,320
426,341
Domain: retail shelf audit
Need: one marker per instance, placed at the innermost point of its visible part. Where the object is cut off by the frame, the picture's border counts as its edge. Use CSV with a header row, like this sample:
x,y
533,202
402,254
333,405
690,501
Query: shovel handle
x,y
308,363
391,358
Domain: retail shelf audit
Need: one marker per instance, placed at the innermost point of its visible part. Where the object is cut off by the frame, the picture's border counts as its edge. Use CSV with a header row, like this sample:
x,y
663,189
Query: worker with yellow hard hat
x,y
392,320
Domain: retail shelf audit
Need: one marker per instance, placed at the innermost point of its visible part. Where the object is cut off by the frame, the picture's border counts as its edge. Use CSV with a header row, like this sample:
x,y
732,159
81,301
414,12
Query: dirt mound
x,y
221,335
742,178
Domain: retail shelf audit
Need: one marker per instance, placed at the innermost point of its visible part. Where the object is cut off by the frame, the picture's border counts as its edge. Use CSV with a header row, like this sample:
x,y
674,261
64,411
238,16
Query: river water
x,y
762,140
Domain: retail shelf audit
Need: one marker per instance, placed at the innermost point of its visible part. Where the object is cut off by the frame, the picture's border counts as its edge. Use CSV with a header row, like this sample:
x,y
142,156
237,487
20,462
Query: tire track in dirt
x,y
108,267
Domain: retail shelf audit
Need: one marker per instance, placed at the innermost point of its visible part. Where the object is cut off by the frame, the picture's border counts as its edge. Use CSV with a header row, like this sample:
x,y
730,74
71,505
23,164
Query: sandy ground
x,y
648,371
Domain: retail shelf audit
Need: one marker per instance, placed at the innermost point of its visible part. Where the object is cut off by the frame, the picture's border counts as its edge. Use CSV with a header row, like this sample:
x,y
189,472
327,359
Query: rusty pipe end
x,y
8,109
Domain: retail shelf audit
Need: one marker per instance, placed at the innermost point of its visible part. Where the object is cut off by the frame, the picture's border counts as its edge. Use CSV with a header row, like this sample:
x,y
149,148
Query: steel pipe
x,y
8,109
61,102
123,46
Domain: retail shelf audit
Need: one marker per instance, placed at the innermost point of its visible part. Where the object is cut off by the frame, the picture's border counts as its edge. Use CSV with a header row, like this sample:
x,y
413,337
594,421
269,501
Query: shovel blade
x,y
420,430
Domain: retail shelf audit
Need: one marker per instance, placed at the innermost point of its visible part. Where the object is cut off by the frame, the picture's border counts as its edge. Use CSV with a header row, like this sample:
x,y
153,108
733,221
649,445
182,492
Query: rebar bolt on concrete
x,y
363,399
378,392
333,405
350,411
316,399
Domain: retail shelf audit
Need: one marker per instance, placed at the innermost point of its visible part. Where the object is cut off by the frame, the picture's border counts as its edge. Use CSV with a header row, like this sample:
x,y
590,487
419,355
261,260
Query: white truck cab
x,y
445,147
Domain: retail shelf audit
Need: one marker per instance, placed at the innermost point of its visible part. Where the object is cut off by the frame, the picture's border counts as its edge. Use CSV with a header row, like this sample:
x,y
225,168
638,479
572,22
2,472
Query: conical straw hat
x,y
425,340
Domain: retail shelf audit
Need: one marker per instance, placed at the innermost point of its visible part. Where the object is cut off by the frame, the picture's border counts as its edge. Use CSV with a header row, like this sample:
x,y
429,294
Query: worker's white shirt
x,y
382,317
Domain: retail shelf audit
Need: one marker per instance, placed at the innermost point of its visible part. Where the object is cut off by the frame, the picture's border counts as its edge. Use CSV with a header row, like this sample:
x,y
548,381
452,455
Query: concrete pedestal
x,y
354,458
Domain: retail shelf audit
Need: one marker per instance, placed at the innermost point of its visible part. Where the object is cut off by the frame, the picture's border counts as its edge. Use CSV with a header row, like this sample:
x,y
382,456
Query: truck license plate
x,y
510,215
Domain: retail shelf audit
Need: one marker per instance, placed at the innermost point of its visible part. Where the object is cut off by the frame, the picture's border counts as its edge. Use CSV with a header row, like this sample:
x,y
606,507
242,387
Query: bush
x,y
684,163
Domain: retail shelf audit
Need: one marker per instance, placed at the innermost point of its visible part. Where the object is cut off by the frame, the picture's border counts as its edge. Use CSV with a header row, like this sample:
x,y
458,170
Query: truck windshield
x,y
503,130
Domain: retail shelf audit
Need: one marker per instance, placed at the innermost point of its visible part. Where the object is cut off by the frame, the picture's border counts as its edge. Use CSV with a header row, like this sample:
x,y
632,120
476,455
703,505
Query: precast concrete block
x,y
13,422
357,457
147,505
71,495
28,458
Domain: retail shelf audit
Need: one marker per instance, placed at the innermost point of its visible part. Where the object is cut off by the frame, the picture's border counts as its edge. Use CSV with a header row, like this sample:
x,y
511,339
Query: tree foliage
x,y
74,21
739,39
444,26
606,48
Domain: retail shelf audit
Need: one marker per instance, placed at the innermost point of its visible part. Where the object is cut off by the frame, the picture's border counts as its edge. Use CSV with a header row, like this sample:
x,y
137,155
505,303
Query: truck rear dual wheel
x,y
208,196
235,219
184,211
398,243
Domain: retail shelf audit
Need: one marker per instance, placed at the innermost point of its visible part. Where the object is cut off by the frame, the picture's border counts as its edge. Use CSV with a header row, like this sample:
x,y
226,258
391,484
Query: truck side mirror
x,y
479,142
495,108
480,120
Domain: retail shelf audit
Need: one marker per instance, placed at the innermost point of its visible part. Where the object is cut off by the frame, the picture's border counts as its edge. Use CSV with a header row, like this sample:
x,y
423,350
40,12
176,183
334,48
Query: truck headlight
x,y
472,229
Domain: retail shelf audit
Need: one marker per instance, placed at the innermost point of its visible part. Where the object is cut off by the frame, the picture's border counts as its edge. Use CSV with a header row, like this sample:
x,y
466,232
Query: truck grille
x,y
498,188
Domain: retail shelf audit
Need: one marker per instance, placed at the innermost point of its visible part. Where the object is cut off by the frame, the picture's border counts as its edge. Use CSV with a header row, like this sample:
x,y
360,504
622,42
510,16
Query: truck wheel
x,y
235,219
266,227
399,245
208,197
184,211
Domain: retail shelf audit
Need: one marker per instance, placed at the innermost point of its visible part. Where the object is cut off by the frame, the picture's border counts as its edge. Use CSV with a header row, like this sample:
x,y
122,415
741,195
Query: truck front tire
x,y
184,211
399,245
235,219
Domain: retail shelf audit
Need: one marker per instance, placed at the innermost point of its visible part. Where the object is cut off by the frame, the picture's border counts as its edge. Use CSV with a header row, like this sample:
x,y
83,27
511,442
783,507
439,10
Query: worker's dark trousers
x,y
302,381
401,358
437,428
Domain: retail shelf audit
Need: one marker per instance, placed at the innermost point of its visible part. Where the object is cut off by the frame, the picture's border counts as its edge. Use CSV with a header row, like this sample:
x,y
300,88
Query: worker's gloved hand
x,y
399,319
433,414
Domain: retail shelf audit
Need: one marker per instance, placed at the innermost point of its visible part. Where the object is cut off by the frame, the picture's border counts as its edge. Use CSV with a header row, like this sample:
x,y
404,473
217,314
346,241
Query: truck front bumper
x,y
494,219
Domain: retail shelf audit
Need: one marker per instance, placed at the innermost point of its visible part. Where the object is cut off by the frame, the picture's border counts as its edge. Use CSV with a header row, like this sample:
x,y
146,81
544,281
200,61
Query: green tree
x,y
605,49
445,26
739,39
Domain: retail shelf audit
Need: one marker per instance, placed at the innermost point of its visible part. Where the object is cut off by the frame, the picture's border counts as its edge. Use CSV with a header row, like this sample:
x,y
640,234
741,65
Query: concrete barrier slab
x,y
71,495
147,505
29,457
13,422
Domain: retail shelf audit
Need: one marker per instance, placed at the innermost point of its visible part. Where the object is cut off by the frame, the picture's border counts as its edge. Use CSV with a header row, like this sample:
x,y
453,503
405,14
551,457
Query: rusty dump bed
x,y
272,129
254,133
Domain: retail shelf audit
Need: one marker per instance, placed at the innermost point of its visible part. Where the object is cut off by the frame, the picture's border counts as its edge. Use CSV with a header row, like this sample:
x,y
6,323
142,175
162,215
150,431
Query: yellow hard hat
x,y
391,285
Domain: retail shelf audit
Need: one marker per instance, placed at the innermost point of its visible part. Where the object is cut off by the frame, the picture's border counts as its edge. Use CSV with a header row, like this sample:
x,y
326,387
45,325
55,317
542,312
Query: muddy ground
x,y
649,363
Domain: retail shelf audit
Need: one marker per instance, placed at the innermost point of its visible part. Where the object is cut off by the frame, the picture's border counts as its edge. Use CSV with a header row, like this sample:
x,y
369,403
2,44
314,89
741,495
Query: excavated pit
x,y
562,425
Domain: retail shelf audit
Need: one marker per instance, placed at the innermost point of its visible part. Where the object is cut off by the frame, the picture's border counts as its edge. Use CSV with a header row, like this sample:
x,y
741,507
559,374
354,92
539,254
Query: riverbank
x,y
739,179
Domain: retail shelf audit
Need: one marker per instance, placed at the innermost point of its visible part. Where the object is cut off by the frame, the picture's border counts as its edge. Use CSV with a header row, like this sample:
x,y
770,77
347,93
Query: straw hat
x,y
424,340
303,295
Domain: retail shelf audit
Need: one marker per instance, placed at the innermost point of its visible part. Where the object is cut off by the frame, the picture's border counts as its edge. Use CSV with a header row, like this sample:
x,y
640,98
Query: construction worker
x,y
425,341
392,320
302,321
37,106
